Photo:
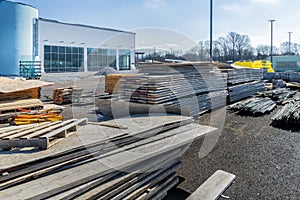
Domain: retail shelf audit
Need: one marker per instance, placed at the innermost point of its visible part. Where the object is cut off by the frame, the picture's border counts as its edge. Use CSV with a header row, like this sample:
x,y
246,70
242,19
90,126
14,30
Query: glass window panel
x,y
54,49
62,49
68,50
46,49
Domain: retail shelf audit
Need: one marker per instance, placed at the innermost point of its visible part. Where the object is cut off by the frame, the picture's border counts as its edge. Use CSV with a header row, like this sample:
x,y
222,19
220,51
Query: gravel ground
x,y
265,160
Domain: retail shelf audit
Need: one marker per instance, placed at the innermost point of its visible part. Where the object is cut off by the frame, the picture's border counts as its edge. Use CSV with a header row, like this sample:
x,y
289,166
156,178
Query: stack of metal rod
x,y
254,106
288,114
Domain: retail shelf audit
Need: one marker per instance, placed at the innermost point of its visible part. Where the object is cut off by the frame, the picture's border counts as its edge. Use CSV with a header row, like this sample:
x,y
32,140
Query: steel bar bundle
x,y
254,106
289,114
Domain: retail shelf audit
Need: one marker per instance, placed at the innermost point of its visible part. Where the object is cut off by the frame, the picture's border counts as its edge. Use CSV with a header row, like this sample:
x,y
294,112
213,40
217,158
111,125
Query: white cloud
x,y
154,3
265,1
231,7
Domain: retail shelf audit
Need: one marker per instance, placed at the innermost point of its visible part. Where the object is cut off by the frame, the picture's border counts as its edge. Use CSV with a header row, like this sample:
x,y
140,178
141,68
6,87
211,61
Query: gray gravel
x,y
265,160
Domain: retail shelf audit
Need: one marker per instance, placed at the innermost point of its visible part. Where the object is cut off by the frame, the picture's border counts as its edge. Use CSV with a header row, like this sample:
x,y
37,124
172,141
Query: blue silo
x,y
18,36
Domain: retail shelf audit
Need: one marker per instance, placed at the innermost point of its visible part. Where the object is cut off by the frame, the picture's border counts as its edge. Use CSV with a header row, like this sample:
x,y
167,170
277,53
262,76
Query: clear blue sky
x,y
188,17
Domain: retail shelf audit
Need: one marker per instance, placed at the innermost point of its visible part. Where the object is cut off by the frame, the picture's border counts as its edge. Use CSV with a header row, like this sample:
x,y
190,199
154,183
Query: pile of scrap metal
x,y
254,106
280,95
289,114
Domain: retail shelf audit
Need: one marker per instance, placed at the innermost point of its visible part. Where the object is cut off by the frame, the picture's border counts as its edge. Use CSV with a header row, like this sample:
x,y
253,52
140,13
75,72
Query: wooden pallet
x,y
42,136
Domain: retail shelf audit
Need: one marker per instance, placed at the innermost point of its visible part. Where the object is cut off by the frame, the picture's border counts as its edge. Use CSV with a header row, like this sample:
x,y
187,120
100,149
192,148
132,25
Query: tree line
x,y
232,47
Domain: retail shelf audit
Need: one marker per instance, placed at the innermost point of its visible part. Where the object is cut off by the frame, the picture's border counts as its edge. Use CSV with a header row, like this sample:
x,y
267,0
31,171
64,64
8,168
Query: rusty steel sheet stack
x,y
101,162
199,88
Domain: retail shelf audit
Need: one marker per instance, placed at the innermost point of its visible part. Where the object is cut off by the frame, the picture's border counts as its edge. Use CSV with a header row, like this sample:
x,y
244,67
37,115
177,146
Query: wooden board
x,y
42,136
58,182
213,187
8,85
15,105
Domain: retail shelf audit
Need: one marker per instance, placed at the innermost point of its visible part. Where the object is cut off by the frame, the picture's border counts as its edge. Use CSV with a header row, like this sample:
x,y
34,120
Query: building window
x,y
124,59
101,58
59,59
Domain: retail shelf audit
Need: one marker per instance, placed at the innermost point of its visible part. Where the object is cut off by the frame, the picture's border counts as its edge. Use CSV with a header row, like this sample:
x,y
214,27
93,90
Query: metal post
x,y
271,54
289,42
211,30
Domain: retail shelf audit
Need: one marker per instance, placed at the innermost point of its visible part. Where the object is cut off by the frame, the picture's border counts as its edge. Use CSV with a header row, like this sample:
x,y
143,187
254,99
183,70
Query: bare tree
x,y
262,51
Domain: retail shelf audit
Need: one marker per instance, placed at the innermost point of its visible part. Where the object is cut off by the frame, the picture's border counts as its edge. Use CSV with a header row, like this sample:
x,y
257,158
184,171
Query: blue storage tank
x,y
18,36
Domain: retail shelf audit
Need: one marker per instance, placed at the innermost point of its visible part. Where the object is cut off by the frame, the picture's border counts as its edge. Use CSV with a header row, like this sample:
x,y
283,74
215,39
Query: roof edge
x,y
85,26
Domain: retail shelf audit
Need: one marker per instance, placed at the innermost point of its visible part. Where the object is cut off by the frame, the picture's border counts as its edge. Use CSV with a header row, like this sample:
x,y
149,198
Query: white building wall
x,y
63,34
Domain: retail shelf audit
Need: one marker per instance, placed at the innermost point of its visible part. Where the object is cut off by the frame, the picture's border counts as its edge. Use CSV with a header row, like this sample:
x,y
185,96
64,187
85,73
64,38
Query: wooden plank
x,y
22,132
43,131
65,128
58,182
213,187
84,191
88,136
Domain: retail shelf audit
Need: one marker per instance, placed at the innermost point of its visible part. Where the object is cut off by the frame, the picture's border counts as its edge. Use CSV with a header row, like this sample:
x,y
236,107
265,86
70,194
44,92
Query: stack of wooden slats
x,y
65,95
12,89
104,163
16,105
243,83
37,135
198,88
112,82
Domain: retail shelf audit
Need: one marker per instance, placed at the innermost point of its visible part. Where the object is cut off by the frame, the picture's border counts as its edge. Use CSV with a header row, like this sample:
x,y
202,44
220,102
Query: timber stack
x,y
65,95
101,162
18,96
199,87
244,82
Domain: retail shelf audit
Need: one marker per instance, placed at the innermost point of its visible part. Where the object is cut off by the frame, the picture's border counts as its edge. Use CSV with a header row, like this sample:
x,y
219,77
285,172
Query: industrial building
x,y
286,63
59,47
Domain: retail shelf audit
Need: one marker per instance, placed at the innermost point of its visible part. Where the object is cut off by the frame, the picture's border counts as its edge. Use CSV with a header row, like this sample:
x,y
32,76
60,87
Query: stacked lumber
x,y
17,105
244,90
104,163
37,135
112,82
254,106
244,82
243,75
11,89
30,118
198,88
65,95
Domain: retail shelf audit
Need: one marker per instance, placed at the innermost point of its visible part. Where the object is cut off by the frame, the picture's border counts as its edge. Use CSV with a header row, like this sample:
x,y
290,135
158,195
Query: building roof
x,y
18,3
85,26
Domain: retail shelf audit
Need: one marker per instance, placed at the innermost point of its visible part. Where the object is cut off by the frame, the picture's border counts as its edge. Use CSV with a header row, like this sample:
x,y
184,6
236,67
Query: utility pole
x,y
271,53
290,42
211,30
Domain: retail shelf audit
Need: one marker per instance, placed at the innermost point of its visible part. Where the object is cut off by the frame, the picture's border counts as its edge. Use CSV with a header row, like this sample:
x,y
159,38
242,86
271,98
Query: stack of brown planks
x,y
104,163
65,95
11,89
112,82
